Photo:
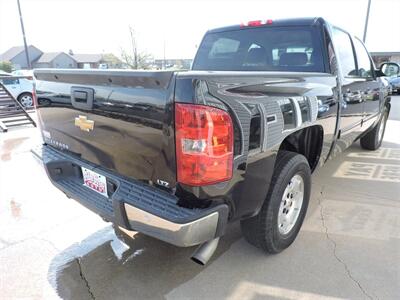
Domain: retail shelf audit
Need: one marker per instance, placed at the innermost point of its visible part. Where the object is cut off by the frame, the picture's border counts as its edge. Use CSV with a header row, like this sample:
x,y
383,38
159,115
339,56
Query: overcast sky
x,y
96,26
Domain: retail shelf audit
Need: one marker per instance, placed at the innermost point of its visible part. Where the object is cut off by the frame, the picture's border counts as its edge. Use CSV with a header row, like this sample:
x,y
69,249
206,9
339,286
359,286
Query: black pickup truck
x,y
180,155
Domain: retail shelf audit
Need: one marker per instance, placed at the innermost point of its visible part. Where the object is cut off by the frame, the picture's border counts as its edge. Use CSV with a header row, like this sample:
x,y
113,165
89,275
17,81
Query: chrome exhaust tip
x,y
204,252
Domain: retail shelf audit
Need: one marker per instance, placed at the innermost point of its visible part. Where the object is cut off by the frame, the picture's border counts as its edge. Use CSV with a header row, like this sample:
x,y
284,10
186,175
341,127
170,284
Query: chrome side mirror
x,y
389,69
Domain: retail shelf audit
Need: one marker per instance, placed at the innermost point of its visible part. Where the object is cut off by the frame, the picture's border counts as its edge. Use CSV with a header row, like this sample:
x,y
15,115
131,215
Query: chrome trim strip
x,y
371,116
183,235
297,112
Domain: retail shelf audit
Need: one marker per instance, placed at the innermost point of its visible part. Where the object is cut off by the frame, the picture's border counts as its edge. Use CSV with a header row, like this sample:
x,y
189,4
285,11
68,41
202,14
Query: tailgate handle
x,y
82,98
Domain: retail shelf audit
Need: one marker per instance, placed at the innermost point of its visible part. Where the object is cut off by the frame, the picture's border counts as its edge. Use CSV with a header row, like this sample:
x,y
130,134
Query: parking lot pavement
x,y
349,246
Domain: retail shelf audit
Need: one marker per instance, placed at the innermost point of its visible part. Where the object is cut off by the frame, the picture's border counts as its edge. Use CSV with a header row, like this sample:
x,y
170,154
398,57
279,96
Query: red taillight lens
x,y
204,144
257,23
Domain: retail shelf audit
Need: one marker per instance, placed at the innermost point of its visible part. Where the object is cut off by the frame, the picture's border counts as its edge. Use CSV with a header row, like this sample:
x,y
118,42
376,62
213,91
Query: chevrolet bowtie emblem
x,y
84,124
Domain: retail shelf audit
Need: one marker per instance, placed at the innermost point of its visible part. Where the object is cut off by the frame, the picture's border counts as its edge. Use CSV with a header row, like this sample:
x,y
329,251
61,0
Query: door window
x,y
345,52
363,61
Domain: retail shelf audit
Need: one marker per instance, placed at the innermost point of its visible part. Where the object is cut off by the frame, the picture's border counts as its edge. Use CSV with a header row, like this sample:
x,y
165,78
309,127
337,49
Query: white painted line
x,y
369,171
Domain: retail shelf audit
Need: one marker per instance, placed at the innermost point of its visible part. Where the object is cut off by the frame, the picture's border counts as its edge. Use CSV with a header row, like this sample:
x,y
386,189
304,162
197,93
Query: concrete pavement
x,y
349,246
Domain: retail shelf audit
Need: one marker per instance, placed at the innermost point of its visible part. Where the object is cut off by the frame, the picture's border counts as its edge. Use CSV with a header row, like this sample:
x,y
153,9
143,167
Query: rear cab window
x,y
286,48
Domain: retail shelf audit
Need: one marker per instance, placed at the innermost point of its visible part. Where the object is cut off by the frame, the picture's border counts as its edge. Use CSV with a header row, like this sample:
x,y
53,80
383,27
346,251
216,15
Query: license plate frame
x,y
94,181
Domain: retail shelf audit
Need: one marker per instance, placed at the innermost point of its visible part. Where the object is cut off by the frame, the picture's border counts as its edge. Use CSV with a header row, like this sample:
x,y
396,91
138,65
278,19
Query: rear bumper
x,y
134,205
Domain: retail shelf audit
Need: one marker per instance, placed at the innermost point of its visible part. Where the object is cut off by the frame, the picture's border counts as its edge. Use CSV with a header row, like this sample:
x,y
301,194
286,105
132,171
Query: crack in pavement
x,y
335,246
78,259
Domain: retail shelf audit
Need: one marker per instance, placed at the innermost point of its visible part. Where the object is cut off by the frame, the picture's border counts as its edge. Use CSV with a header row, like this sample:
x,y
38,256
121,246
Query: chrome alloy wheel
x,y
26,101
291,203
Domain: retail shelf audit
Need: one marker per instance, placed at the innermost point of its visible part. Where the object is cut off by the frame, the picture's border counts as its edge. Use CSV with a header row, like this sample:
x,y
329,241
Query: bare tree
x,y
135,59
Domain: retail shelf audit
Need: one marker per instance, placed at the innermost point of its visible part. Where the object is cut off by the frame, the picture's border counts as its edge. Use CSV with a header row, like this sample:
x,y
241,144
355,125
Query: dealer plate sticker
x,y
94,181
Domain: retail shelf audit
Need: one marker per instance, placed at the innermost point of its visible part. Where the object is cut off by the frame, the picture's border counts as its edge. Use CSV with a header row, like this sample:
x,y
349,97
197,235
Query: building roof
x,y
14,51
87,58
384,53
50,56
11,53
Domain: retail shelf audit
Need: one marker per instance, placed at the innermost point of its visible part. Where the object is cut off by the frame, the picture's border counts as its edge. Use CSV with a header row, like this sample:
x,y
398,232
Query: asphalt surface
x,y
349,246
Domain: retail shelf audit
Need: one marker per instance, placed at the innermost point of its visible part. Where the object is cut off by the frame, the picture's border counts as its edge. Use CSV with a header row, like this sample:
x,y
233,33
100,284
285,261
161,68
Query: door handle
x,y
82,97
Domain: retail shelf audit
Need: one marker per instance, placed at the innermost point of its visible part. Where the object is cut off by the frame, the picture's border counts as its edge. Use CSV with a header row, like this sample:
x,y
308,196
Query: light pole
x,y
366,21
28,61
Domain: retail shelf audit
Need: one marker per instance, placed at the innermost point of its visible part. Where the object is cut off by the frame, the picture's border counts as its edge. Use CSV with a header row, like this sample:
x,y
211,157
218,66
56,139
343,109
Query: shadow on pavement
x,y
111,265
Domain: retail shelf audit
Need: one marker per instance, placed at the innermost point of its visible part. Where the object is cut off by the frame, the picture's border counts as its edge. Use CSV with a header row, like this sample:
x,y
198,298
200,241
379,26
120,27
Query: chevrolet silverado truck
x,y
180,155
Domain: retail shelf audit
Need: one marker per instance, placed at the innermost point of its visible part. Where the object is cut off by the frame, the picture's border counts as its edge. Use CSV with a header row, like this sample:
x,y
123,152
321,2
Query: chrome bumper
x,y
183,235
135,205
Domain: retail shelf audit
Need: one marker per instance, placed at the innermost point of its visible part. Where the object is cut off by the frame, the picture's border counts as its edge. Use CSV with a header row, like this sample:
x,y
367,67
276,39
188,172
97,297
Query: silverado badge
x,y
84,124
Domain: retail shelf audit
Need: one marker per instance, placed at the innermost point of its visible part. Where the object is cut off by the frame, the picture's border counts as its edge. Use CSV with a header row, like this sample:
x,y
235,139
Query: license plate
x,y
95,181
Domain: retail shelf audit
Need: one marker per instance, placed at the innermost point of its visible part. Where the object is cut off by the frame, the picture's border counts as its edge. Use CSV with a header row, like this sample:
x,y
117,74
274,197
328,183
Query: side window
x,y
363,61
345,52
10,81
224,47
256,56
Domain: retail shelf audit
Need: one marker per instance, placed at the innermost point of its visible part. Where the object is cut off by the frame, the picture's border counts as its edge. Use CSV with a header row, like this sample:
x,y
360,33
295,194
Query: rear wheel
x,y
26,100
373,139
281,216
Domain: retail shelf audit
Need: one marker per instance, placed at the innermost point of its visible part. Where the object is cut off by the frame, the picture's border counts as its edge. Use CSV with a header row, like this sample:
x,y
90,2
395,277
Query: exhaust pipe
x,y
204,252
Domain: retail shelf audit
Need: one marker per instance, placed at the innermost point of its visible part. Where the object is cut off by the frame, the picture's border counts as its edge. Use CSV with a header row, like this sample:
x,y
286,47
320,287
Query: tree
x,y
6,66
135,59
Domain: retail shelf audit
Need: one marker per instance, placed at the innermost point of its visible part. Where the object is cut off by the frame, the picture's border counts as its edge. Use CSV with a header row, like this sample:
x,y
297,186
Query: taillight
x,y
204,144
257,23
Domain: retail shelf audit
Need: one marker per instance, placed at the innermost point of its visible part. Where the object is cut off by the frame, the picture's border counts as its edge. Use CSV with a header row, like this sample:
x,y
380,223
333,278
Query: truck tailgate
x,y
119,120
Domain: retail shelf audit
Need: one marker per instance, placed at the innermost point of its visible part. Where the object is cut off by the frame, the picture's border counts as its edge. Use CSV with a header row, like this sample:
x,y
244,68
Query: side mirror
x,y
389,69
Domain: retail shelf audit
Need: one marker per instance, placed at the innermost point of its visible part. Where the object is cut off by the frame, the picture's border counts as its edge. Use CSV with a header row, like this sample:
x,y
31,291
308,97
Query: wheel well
x,y
24,93
308,142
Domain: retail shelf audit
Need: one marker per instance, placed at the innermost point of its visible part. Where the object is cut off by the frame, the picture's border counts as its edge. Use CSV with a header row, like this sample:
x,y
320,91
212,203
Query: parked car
x,y
395,84
20,88
386,82
236,138
28,73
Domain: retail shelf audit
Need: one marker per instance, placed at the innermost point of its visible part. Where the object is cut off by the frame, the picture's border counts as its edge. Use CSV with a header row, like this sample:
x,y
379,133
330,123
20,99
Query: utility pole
x,y
28,61
366,21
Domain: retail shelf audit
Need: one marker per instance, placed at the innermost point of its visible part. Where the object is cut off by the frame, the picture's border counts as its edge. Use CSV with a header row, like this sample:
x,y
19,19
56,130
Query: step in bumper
x,y
134,205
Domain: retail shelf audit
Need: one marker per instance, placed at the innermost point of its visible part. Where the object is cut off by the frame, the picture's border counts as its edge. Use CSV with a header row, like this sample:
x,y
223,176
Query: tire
x,y
263,230
373,139
44,102
26,100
